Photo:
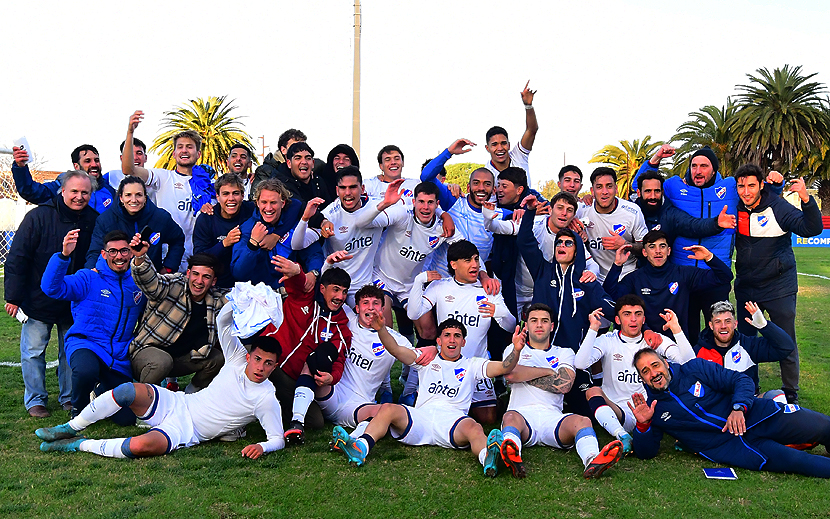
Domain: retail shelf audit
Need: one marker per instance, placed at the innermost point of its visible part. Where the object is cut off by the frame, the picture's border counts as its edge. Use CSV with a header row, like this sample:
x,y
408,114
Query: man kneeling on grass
x,y
240,393
446,387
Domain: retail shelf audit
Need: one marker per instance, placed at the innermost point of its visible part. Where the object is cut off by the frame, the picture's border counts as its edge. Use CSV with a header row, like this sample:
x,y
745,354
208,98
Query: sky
x,y
432,71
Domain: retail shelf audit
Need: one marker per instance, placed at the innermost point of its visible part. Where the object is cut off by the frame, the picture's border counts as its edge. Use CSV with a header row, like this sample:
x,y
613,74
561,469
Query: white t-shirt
x,y
620,379
115,177
444,384
522,394
518,159
358,233
173,194
460,301
405,250
367,361
232,400
469,225
376,188
625,220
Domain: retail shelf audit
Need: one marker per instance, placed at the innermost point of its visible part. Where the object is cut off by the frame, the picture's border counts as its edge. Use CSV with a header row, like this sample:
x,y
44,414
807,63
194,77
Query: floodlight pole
x,y
356,81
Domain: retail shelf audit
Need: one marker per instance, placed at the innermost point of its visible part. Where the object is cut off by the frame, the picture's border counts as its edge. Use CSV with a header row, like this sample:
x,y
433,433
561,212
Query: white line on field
x,y
49,365
813,276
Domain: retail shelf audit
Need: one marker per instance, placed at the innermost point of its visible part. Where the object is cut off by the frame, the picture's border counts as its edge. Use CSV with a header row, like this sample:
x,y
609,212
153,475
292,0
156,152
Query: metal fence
x,y
12,211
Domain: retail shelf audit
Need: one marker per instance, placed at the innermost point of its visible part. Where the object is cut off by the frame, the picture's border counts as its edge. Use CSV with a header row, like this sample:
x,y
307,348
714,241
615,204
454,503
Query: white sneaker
x,y
234,435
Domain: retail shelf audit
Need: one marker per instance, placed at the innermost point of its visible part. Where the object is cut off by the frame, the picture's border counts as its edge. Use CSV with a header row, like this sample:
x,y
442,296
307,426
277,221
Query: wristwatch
x,y
739,407
315,272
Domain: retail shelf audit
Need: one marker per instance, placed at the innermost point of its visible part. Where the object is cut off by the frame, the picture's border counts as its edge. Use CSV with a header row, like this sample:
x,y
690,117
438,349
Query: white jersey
x,y
625,220
469,225
232,400
376,188
462,302
620,379
519,157
523,394
445,384
357,233
173,194
367,361
405,250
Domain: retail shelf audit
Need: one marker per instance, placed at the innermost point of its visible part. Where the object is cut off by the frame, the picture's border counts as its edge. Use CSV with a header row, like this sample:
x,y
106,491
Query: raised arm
x,y
531,125
25,185
128,166
405,355
588,354
495,368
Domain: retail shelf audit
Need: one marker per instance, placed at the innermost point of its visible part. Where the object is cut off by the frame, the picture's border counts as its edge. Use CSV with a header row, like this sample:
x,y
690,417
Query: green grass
x,y
213,480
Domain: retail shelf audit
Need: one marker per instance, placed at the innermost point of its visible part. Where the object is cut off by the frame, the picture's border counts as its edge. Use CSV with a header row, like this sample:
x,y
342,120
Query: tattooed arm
x,y
560,383
494,369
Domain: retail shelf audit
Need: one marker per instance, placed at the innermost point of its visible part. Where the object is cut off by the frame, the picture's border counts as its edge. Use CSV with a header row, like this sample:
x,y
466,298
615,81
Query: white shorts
x,y
543,424
629,421
169,415
341,406
484,394
430,426
399,297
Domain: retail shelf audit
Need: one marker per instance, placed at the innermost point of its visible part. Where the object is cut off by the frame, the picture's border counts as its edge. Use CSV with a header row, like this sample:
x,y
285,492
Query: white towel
x,y
253,308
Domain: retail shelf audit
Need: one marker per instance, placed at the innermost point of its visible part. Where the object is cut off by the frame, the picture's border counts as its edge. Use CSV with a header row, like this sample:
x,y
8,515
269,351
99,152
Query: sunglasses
x,y
566,243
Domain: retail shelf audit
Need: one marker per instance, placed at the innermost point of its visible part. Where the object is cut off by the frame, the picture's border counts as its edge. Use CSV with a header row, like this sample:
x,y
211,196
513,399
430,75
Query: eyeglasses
x,y
566,243
114,252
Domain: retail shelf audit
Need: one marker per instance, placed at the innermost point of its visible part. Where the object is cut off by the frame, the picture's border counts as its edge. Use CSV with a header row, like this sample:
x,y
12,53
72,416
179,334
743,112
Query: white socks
x,y
110,448
102,407
586,445
608,420
303,396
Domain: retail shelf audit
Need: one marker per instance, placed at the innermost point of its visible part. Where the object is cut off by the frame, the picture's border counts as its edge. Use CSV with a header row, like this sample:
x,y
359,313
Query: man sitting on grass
x,y
240,393
446,389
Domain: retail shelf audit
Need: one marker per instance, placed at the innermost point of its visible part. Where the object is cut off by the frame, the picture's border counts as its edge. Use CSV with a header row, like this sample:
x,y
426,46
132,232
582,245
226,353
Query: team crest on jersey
x,y
618,357
380,284
459,373
285,237
326,335
343,229
137,296
645,291
407,192
697,390
578,293
178,185
553,361
449,298
618,229
481,301
433,241
665,416
673,286
656,227
720,192
107,202
736,356
763,220
791,408
154,239
378,349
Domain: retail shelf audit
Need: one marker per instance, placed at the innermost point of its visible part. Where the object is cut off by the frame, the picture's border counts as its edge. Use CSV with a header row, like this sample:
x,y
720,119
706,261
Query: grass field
x,y
213,480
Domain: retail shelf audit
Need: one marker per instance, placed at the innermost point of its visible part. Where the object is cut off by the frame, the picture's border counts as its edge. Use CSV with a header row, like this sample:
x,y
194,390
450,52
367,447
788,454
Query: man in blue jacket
x,y
217,233
663,284
764,261
267,234
84,158
106,307
39,236
713,411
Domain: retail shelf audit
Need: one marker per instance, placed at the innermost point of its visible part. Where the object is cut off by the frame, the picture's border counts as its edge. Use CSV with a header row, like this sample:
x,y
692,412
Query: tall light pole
x,y
356,81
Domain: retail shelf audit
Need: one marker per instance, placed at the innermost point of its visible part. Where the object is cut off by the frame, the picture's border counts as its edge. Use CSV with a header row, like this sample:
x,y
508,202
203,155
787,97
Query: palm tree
x,y
708,127
211,119
626,160
780,113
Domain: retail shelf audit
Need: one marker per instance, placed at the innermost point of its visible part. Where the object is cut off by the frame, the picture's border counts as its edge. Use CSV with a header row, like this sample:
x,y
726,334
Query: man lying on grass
x,y
713,411
240,393
446,387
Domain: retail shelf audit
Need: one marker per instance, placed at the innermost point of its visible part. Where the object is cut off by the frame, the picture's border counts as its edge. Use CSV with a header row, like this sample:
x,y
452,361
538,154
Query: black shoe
x,y
294,434
792,396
